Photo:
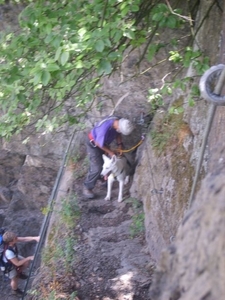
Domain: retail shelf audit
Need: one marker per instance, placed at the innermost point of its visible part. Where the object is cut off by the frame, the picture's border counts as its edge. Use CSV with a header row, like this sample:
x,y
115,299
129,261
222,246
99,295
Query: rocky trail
x,y
113,264
6,293
112,261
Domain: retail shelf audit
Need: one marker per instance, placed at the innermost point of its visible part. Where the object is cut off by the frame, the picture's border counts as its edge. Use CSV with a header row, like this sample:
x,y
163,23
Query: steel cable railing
x,y
48,215
217,91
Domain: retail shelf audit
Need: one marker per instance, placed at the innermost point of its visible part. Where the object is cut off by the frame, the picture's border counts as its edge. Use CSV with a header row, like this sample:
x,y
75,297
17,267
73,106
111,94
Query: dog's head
x,y
108,165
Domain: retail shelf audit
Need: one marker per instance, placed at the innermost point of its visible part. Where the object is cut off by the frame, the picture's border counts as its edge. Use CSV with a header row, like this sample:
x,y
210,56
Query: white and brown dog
x,y
116,168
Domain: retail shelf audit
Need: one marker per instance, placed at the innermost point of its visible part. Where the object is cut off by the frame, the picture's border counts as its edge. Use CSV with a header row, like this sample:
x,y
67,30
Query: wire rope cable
x,y
48,215
212,111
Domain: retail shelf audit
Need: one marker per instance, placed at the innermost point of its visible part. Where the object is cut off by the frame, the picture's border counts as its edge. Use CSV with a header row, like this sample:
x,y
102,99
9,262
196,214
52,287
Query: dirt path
x,y
6,292
112,265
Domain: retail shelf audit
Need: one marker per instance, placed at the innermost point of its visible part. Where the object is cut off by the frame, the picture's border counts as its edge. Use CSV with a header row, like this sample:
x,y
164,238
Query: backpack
x,y
2,231
5,266
2,247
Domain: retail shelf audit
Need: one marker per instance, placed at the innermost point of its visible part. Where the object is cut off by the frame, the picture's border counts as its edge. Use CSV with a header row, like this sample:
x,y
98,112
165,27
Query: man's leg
x,y
94,171
17,291
14,283
13,276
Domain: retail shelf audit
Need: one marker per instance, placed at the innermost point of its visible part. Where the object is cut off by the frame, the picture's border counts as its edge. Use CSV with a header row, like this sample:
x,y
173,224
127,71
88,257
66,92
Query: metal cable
x,y
211,115
47,217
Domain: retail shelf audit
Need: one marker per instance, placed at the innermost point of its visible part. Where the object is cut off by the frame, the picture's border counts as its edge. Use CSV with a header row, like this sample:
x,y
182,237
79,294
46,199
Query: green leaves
x,y
63,49
64,57
99,46
104,67
45,77
162,15
175,56
176,110
37,77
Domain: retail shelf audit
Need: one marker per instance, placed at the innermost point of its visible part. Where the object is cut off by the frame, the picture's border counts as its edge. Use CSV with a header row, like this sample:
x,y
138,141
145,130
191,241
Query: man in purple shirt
x,y
98,141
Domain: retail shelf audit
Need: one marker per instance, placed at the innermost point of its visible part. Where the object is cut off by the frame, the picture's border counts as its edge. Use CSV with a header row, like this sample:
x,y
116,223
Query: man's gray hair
x,y
125,126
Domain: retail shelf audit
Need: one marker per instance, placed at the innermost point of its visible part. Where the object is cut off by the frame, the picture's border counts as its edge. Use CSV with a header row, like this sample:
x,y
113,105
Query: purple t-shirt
x,y
105,133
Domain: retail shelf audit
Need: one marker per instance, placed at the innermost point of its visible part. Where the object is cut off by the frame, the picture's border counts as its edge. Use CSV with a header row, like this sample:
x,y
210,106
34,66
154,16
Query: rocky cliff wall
x,y
168,159
193,267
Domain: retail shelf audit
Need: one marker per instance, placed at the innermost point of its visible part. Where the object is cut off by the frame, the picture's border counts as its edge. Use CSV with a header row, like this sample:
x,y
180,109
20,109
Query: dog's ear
x,y
113,158
104,157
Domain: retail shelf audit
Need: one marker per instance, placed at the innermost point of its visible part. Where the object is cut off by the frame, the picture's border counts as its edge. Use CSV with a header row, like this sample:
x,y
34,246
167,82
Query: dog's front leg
x,y
126,179
109,186
120,196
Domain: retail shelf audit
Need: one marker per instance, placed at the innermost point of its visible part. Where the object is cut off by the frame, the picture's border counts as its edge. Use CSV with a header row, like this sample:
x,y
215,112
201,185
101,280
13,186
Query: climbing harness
x,y
209,78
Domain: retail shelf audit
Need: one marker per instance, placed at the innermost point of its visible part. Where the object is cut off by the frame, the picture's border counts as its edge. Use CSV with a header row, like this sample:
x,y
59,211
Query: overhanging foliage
x,y
65,47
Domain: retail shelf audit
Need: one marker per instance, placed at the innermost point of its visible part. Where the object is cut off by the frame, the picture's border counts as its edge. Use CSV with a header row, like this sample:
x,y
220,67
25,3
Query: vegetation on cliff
x,y
63,49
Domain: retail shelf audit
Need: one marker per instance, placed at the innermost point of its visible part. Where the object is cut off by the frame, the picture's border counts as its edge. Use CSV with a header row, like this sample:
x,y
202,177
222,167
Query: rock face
x,y
187,268
25,185
191,266
26,182
168,158
166,199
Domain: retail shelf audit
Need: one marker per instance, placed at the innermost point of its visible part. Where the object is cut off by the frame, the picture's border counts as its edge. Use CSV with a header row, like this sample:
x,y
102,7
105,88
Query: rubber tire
x,y
206,82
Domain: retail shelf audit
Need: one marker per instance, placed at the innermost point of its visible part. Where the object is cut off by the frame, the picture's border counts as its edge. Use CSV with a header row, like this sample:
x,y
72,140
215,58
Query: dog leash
x,y
134,147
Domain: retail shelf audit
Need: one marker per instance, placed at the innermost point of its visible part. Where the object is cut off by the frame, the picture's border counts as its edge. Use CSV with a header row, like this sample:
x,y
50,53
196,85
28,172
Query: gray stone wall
x,y
193,266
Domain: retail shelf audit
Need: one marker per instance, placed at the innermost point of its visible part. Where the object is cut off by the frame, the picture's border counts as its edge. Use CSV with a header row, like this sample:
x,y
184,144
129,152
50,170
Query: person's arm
x,y
28,238
119,140
106,149
18,262
119,144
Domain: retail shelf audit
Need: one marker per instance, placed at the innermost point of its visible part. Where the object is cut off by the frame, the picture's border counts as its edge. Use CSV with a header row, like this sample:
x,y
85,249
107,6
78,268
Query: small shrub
x,y
137,227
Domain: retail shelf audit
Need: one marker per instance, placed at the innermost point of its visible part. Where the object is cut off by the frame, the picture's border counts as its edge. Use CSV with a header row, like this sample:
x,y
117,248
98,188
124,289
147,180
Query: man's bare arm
x,y
28,238
18,262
